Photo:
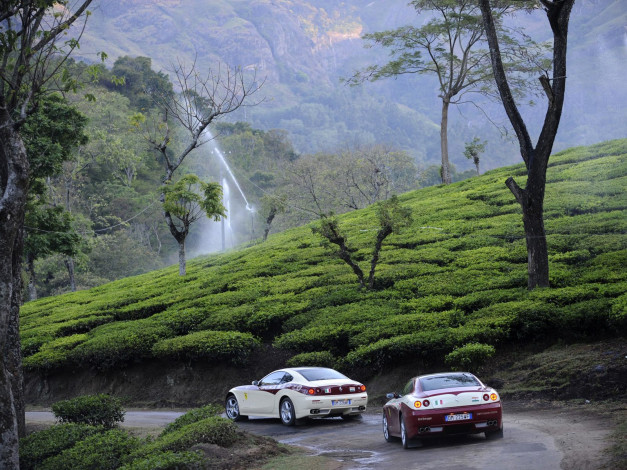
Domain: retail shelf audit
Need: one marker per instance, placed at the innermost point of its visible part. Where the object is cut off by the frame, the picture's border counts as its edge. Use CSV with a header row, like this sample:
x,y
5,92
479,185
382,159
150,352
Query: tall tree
x,y
186,201
31,54
202,99
451,46
50,134
531,198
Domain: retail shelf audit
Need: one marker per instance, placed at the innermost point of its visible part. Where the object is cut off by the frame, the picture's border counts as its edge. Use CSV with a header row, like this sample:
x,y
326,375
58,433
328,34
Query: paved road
x,y
533,440
360,445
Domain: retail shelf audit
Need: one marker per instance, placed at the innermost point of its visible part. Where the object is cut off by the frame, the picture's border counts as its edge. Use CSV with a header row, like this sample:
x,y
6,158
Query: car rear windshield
x,y
438,382
320,374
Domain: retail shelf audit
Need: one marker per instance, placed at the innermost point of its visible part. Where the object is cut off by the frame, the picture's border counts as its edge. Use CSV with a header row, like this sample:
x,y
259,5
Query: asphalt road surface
x,y
533,440
360,445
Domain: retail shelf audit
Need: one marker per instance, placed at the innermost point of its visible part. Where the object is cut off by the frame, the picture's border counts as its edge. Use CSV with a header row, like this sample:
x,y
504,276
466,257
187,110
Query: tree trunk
x,y
536,159
182,262
477,166
13,347
269,220
14,170
381,235
446,171
32,280
69,264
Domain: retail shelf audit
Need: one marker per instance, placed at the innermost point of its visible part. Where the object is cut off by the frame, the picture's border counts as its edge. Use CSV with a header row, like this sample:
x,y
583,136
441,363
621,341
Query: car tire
x,y
386,429
494,434
287,412
404,438
232,409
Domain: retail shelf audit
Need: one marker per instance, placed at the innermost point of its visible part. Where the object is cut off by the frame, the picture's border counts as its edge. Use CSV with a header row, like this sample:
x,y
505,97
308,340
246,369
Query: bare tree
x,y
201,100
392,218
31,54
536,159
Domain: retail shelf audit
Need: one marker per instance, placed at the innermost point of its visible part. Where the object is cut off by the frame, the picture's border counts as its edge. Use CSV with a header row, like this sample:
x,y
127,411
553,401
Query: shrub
x,y
97,452
168,461
226,346
316,358
212,430
119,343
56,353
95,410
469,357
38,446
193,416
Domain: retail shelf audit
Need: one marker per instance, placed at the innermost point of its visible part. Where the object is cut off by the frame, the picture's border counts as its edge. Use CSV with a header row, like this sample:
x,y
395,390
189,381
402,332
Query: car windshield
x,y
438,382
320,373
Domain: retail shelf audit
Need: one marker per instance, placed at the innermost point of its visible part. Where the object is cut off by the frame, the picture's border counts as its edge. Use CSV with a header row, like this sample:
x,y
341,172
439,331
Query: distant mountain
x,y
303,47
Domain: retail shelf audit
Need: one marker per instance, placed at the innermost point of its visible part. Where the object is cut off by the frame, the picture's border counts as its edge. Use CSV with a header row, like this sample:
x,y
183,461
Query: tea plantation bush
x,y
212,430
221,346
315,359
168,461
457,276
192,416
469,357
105,451
96,410
38,446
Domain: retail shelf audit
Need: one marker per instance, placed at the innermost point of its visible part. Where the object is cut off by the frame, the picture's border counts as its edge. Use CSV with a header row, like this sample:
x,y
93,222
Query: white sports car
x,y
301,392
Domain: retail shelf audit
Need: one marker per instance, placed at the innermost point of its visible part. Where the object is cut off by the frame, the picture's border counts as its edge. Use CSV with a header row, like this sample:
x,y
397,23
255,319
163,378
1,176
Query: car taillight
x,y
494,397
362,388
486,397
426,402
311,391
417,404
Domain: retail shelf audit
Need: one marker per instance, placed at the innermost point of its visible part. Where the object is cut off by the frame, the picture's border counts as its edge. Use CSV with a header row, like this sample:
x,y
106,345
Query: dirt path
x,y
551,439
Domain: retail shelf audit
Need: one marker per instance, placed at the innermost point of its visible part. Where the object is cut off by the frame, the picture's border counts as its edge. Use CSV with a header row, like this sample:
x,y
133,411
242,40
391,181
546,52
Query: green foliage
x,y
189,198
316,358
95,410
222,346
193,416
469,357
119,343
457,275
168,461
105,451
212,430
40,445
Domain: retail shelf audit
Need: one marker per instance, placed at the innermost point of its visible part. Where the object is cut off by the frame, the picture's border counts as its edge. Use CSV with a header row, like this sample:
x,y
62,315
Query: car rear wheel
x,y
404,438
386,429
232,409
288,415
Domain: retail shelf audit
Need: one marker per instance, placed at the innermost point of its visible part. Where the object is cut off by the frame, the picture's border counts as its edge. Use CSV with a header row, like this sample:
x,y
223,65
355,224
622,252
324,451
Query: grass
x,y
458,275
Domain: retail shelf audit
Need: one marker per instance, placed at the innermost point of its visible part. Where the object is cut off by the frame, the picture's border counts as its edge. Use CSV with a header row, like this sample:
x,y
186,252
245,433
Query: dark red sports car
x,y
442,404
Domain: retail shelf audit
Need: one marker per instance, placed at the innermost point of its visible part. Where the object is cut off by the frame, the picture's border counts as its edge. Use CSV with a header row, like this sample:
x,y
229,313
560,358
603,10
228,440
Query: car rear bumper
x,y
337,405
424,424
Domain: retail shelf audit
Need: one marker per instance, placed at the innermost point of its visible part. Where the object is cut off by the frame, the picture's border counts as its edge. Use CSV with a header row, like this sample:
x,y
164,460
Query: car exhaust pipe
x,y
314,412
425,429
362,408
492,423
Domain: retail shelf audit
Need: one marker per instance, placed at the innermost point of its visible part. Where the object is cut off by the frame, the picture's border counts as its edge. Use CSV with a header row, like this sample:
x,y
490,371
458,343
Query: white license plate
x,y
459,417
340,402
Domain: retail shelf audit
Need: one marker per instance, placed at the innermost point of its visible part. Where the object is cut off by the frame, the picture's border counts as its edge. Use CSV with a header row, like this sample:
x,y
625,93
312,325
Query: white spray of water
x,y
217,150
215,236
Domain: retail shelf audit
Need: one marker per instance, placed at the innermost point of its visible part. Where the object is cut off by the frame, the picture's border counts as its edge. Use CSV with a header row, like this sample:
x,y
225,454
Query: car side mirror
x,y
392,395
256,383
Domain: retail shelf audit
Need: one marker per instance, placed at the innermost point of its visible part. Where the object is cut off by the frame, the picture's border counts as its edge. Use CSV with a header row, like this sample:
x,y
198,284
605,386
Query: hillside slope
x,y
303,47
456,276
